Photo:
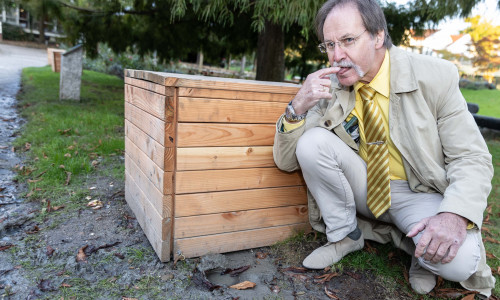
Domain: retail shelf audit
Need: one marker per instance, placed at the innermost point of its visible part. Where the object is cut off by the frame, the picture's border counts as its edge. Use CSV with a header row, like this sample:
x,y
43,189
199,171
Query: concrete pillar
x,y
71,74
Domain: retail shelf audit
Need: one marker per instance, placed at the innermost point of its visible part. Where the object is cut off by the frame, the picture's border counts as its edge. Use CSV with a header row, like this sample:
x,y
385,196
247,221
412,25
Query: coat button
x,y
328,123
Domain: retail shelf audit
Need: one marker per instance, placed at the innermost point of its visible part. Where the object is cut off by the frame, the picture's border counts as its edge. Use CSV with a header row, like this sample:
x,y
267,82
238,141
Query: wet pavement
x,y
12,60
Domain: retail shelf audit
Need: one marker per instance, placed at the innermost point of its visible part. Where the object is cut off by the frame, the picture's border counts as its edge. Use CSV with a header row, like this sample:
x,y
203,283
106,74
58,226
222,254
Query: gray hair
x,y
371,14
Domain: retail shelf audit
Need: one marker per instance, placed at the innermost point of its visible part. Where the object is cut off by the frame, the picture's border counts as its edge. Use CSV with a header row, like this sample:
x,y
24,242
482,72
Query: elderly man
x,y
386,134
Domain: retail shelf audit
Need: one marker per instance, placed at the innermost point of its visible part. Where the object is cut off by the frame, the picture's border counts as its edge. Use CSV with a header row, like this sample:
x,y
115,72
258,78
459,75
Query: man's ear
x,y
379,39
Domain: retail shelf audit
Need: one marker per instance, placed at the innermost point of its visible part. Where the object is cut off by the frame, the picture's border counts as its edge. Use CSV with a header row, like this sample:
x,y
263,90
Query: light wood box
x,y
200,175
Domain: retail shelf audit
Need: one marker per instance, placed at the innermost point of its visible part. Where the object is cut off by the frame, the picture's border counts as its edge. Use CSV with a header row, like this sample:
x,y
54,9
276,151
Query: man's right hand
x,y
316,86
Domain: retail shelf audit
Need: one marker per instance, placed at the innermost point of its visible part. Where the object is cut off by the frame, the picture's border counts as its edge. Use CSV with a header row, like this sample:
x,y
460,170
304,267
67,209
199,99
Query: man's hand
x,y
316,86
443,234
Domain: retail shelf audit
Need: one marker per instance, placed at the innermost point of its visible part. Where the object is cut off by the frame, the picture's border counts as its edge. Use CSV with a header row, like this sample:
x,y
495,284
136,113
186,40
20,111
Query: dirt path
x,y
81,253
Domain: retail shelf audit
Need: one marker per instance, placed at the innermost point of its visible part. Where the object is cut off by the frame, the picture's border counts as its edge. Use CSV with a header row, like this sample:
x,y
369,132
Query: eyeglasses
x,y
345,43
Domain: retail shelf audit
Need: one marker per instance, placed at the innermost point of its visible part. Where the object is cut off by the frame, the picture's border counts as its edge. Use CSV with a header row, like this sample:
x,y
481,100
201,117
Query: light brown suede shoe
x,y
422,280
331,253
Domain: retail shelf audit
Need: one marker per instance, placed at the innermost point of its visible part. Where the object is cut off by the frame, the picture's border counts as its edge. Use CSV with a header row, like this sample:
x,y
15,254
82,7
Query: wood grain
x,y
234,179
234,95
234,241
205,158
135,200
218,134
229,111
227,201
239,220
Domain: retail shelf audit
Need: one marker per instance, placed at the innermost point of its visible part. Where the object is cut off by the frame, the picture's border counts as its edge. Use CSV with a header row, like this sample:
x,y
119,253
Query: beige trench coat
x,y
440,143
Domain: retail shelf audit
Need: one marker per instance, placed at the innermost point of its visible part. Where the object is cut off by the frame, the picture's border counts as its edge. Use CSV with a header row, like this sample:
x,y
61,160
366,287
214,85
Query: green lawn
x,y
488,101
67,140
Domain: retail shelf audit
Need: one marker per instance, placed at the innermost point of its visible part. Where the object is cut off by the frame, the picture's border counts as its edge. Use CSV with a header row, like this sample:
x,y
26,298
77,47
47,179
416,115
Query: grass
x,y
488,101
67,140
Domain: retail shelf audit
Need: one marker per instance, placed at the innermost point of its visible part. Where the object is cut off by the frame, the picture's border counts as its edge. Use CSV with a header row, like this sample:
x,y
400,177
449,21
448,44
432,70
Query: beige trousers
x,y
336,177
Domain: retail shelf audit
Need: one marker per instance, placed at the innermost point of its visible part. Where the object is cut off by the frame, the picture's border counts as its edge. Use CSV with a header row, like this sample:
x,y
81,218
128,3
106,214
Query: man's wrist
x,y
291,116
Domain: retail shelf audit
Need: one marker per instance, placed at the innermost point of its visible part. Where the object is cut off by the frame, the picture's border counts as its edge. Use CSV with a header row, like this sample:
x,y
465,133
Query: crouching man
x,y
386,135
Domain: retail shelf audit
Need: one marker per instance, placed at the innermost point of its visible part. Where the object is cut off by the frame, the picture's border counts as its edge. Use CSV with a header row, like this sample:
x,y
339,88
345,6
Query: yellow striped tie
x,y
378,186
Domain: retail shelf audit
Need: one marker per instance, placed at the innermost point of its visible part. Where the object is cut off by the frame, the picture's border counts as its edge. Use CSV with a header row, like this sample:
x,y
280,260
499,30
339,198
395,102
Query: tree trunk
x,y
271,53
41,30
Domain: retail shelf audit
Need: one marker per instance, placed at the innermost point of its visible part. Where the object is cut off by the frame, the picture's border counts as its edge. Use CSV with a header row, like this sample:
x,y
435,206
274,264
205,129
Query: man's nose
x,y
338,53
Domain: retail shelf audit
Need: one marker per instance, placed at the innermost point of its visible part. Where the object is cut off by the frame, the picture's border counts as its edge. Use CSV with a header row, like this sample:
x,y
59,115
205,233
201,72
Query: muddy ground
x,y
87,253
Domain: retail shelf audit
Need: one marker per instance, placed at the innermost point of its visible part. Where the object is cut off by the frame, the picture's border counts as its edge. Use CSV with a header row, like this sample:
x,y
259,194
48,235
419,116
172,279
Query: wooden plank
x,y
226,242
133,198
152,217
148,101
150,86
146,76
234,179
234,95
163,133
239,220
161,203
224,158
230,111
220,202
196,81
162,180
219,134
161,156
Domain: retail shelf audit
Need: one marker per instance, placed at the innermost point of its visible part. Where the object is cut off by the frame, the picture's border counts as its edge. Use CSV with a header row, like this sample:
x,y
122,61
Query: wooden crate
x,y
200,175
54,58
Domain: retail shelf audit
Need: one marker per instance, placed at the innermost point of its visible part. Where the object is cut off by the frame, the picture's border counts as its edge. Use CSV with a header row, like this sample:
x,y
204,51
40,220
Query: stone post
x,y
71,74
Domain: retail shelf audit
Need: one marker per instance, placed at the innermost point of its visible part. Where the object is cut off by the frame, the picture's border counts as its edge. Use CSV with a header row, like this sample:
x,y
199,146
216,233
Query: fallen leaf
x,y
55,208
45,285
491,240
62,167
200,279
127,298
119,255
2,188
330,294
81,256
95,204
34,230
68,178
261,255
440,282
468,297
486,230
369,248
34,180
92,249
354,275
65,131
488,209
66,285
92,188
94,163
27,146
326,277
67,155
4,147
49,251
243,285
44,155
490,255
2,248
405,274
71,147
235,272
